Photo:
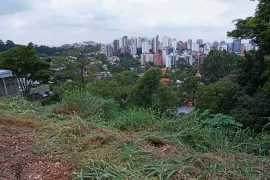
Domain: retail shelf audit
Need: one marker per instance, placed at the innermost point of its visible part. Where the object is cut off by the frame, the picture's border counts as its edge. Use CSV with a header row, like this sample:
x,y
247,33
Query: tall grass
x,y
138,119
187,149
88,106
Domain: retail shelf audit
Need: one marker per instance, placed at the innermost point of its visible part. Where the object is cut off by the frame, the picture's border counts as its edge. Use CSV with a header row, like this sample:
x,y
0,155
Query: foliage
x,y
217,65
53,99
87,106
77,64
146,87
165,99
149,147
135,120
255,28
26,66
219,122
117,87
106,171
126,63
207,98
228,90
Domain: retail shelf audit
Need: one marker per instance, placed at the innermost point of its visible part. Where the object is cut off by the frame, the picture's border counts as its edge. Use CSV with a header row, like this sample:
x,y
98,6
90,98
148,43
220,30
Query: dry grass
x,y
18,121
75,142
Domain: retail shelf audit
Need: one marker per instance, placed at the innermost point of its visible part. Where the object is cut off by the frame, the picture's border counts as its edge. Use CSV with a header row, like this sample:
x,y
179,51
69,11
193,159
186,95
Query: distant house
x,y
9,85
165,80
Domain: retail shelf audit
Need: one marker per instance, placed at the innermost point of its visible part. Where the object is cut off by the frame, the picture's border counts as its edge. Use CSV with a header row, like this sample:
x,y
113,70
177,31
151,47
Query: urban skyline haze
x,y
57,22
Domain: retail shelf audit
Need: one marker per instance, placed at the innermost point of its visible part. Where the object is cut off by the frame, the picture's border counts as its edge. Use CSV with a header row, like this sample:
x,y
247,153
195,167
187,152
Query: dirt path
x,y
18,161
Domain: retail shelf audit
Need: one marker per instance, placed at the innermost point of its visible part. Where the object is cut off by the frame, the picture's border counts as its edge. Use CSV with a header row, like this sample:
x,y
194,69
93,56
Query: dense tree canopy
x,y
26,66
256,28
217,65
77,64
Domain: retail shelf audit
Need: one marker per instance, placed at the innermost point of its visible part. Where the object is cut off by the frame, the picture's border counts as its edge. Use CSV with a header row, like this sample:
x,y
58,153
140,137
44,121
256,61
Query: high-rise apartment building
x,y
134,49
236,45
120,42
158,59
215,45
200,41
223,47
155,44
109,51
164,55
123,49
116,46
124,41
165,42
174,45
129,42
195,47
147,57
222,42
145,47
189,44
139,42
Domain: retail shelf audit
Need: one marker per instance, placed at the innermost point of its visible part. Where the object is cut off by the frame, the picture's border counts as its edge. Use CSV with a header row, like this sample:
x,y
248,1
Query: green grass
x,y
104,142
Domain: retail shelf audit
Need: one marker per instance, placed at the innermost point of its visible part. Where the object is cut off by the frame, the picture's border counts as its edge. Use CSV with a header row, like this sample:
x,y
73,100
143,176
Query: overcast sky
x,y
57,22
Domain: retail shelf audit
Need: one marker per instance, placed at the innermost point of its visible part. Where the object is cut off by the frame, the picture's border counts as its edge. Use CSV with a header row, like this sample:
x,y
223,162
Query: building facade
x,y
116,45
155,44
145,47
9,85
158,59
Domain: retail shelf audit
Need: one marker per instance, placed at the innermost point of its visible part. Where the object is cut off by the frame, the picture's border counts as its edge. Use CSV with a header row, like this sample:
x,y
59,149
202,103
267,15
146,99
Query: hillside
x,y
51,142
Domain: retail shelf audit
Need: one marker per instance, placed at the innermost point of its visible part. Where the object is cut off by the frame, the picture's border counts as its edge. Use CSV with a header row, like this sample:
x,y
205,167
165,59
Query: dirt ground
x,y
19,162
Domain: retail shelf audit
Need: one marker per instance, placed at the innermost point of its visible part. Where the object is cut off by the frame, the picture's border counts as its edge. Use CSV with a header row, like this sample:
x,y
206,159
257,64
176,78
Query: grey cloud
x,y
13,6
73,22
103,17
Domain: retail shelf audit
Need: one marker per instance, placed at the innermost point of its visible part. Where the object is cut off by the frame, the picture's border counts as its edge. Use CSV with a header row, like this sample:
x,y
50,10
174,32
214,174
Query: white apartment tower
x,y
155,44
139,42
165,41
145,47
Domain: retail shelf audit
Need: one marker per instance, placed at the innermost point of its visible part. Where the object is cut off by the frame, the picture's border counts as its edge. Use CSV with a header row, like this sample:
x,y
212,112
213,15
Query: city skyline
x,y
57,22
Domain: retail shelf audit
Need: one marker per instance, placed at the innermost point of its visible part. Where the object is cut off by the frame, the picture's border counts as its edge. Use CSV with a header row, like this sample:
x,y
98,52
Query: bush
x,y
220,123
188,130
55,98
88,106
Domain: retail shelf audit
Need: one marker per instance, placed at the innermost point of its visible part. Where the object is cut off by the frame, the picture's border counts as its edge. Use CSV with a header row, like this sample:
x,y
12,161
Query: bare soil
x,y
18,160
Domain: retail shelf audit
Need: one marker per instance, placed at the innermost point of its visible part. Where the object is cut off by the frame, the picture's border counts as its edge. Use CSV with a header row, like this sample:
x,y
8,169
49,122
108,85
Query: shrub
x,y
88,106
55,98
220,123
188,130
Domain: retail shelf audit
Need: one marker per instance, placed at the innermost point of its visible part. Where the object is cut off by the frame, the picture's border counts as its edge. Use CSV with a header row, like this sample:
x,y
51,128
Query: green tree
x,y
146,87
117,87
217,65
207,98
77,64
228,90
26,66
165,99
9,44
127,61
255,28
254,77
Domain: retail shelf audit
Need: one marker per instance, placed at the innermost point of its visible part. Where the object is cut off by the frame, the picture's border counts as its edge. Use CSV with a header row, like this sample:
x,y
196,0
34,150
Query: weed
x,y
87,106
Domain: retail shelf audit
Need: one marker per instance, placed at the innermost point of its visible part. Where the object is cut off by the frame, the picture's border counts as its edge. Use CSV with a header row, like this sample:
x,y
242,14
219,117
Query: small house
x,y
9,85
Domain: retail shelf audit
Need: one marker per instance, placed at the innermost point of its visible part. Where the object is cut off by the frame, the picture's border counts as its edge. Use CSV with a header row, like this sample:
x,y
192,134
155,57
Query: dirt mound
x,y
18,161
